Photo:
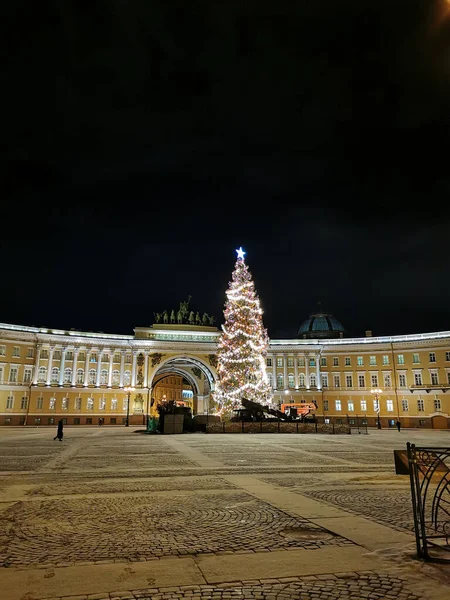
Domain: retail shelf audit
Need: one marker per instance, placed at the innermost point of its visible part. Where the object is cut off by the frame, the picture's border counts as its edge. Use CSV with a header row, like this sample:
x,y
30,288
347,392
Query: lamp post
x,y
376,393
128,390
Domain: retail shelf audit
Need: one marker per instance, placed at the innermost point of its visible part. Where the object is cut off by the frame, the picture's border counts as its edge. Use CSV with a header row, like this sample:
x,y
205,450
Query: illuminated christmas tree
x,y
242,346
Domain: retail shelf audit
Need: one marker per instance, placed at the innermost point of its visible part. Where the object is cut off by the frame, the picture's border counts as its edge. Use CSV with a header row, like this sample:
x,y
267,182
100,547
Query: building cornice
x,y
205,340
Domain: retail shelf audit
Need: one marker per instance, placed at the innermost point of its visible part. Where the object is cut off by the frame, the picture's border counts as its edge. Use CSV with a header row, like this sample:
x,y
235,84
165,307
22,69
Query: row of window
x,y
14,374
335,380
359,360
93,356
55,376
90,404
16,351
377,405
79,379
10,402
78,404
117,357
303,380
51,421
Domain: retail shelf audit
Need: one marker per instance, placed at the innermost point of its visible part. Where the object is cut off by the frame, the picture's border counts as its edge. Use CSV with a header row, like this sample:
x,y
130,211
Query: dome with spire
x,y
321,324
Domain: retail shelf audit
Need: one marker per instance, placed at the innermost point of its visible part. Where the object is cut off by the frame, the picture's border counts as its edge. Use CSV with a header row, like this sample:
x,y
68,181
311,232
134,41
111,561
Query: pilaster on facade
x,y
87,360
37,364
296,384
307,382
122,367
99,368
62,364
133,368
76,353
274,372
146,369
50,365
110,370
318,378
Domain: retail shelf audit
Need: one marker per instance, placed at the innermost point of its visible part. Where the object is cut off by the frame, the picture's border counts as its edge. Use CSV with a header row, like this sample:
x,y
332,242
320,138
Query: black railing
x,y
429,471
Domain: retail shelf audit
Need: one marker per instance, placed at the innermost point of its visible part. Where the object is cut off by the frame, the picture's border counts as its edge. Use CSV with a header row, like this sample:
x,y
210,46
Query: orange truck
x,y
302,408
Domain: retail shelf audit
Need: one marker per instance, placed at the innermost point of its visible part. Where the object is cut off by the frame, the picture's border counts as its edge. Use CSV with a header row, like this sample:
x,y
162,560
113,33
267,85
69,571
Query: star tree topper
x,y
240,253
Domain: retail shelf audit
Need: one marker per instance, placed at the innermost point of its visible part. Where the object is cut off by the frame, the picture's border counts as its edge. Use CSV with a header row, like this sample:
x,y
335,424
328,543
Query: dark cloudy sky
x,y
145,141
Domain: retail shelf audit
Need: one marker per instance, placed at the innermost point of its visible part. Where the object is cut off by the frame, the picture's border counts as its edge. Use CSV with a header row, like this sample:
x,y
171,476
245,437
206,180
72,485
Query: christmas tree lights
x,y
242,346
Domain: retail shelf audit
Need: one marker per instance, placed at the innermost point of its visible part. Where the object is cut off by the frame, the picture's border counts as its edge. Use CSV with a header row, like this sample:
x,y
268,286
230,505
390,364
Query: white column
x,y
274,372
285,373
62,364
133,371
111,358
75,366
99,367
122,367
145,369
296,371
50,365
86,367
307,371
318,381
36,368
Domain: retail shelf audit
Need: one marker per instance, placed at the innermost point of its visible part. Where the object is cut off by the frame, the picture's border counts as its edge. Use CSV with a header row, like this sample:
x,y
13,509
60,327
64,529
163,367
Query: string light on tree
x,y
243,345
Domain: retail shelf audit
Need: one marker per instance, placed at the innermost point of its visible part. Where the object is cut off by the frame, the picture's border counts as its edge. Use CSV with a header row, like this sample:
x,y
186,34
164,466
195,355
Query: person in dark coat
x,y
59,432
399,425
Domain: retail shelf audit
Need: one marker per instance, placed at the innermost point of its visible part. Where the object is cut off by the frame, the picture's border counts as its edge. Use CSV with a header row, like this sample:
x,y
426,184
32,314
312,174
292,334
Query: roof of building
x,y
321,324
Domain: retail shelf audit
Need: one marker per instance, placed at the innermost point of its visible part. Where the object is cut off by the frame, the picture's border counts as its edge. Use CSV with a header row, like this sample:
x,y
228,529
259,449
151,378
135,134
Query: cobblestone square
x,y
242,515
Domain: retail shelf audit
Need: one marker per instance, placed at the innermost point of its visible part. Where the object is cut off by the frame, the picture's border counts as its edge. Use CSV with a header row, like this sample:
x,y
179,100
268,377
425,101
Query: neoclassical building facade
x,y
86,378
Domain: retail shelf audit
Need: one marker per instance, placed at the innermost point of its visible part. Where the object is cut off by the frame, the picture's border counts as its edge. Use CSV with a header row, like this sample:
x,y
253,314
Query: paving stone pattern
x,y
345,586
108,495
115,487
391,507
52,532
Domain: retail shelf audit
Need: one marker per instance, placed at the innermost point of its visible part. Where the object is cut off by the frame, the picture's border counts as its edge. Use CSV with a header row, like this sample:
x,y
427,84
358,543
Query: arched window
x,y
42,375
92,374
104,377
291,381
102,403
68,375
80,375
280,384
301,380
312,379
90,404
127,378
115,377
55,375
270,379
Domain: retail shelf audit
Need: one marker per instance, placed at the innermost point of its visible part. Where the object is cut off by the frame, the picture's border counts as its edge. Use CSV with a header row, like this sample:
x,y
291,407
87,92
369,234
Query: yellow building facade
x,y
83,377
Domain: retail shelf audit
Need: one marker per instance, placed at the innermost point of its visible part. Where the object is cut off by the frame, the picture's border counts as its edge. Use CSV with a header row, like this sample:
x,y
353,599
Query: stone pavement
x,y
116,513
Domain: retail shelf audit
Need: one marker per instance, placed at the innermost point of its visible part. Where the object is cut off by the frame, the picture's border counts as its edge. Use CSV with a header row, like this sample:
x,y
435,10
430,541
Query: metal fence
x,y
429,472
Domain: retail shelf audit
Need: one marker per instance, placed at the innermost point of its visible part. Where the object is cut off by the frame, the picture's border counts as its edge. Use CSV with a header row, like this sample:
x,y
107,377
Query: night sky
x,y
145,141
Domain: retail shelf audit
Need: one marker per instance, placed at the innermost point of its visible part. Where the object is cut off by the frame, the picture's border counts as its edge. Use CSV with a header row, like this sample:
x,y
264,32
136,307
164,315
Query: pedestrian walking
x,y
398,425
59,431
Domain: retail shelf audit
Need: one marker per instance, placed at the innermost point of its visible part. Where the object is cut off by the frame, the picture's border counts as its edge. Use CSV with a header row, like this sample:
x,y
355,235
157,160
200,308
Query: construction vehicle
x,y
253,411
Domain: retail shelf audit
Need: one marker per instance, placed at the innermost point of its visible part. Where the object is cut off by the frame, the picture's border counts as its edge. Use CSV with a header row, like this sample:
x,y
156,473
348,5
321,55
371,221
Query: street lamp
x,y
128,390
376,393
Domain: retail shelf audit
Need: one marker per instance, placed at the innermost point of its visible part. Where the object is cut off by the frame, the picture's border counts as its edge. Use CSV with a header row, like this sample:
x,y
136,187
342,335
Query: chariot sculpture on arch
x,y
184,316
